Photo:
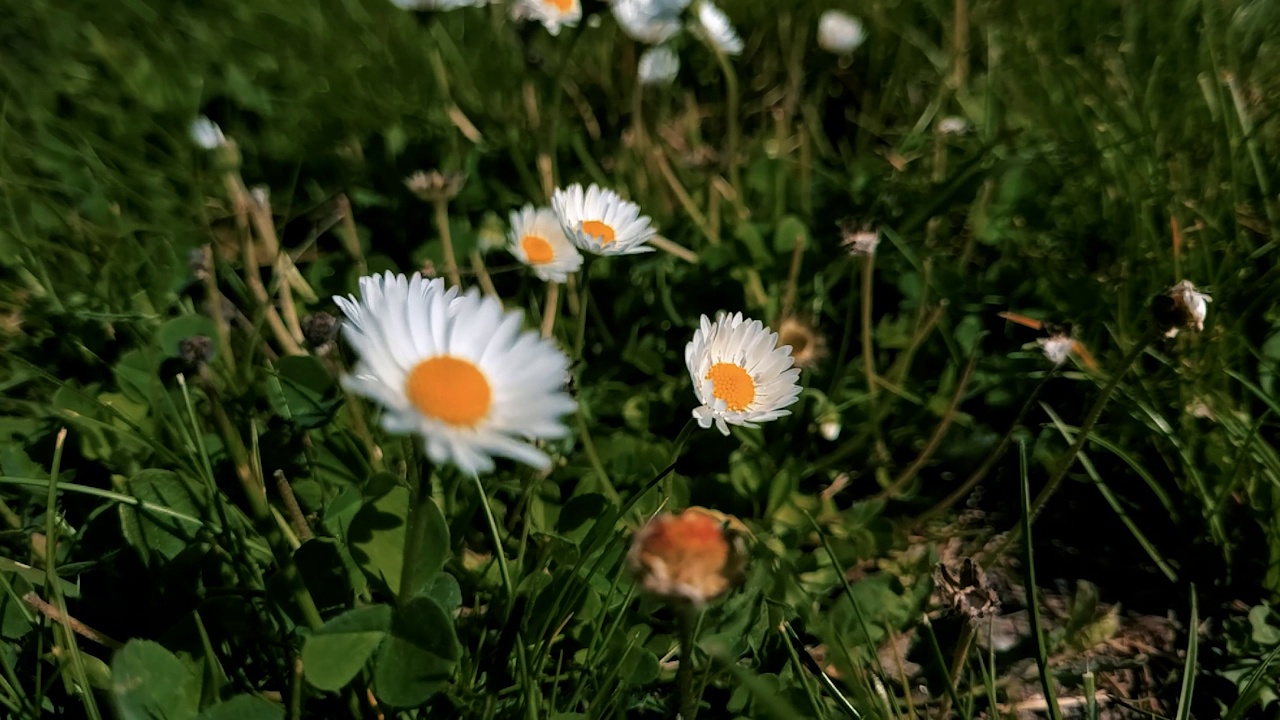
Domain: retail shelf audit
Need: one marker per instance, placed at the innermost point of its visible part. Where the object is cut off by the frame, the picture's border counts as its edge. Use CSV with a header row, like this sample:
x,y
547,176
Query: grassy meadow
x,y
201,519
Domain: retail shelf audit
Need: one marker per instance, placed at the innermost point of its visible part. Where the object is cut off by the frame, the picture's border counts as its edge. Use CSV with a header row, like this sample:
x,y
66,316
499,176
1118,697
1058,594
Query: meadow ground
x,y
1027,473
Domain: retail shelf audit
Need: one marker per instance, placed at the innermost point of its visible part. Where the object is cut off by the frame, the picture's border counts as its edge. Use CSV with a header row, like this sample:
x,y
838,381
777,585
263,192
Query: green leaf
x,y
576,515
445,591
244,707
790,229
326,572
335,653
416,661
303,391
376,537
155,534
149,682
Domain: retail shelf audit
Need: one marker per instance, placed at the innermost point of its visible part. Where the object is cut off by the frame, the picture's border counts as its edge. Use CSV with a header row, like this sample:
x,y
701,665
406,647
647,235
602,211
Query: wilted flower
x,y
206,134
435,186
739,373
658,66
966,591
553,14
649,21
692,557
319,329
195,351
1055,340
839,32
1183,307
455,369
599,221
856,241
808,346
717,28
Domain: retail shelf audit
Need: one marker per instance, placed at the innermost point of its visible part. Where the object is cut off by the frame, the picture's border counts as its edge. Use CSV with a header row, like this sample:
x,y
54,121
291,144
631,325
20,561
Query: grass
x,y
262,547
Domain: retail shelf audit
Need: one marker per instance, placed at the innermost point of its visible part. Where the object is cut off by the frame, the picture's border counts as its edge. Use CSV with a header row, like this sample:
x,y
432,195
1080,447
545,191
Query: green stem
x,y
689,700
584,279
498,552
731,120
416,536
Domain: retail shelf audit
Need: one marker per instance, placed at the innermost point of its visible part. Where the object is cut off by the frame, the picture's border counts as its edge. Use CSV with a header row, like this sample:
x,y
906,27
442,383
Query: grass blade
x,y
1189,668
1033,596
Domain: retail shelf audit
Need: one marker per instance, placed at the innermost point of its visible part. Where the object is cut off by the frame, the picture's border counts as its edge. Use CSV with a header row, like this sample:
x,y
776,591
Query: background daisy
x,y
599,221
553,14
457,370
740,375
537,240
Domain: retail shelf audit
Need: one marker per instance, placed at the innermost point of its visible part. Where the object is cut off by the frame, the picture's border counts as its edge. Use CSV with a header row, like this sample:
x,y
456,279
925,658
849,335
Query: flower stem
x,y
442,227
685,675
497,541
584,297
415,535
731,119
551,309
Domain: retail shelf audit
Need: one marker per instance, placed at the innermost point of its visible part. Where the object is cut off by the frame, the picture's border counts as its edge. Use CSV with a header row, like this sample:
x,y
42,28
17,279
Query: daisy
x,y
537,240
553,14
658,66
717,28
649,21
599,221
739,374
839,32
455,369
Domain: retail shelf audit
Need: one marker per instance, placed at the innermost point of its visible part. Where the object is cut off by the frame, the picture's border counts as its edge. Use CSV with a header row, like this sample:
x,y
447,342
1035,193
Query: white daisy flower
x,y
455,369
206,134
599,221
649,21
717,28
553,14
538,240
658,66
839,32
739,374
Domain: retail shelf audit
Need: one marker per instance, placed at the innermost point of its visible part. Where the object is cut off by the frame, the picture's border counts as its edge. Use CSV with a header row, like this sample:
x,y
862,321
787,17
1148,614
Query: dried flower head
x,y
857,240
195,351
965,592
808,346
688,558
1182,307
320,329
435,186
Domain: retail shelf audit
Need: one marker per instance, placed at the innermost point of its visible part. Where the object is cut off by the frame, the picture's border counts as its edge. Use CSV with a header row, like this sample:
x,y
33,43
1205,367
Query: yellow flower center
x,y
537,249
733,385
561,5
599,230
449,389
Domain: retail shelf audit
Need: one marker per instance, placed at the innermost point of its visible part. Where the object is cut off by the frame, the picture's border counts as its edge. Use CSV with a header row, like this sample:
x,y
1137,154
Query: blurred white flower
x,y
658,66
206,133
649,21
437,4
717,28
953,125
1056,347
839,32
830,429
538,240
553,14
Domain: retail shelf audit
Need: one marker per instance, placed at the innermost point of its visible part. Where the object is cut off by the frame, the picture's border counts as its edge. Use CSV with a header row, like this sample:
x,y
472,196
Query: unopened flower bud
x,y
839,32
692,557
320,329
